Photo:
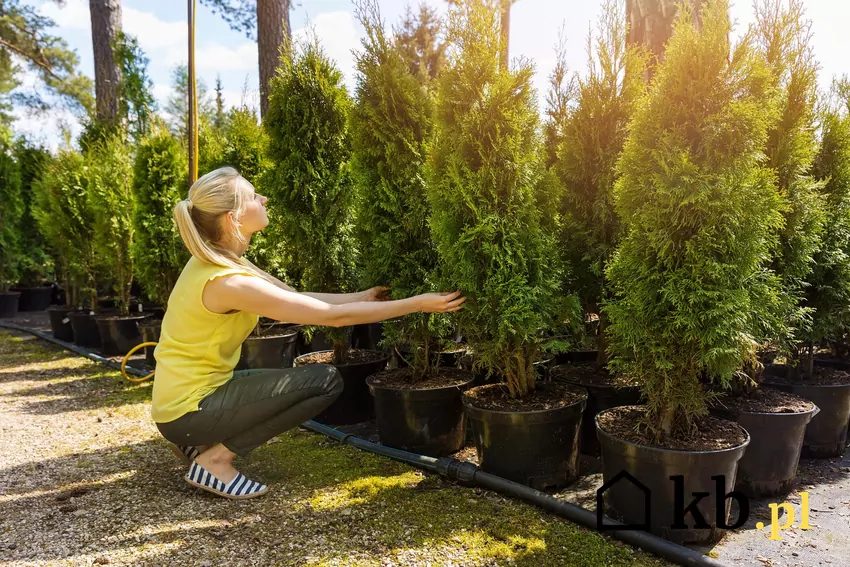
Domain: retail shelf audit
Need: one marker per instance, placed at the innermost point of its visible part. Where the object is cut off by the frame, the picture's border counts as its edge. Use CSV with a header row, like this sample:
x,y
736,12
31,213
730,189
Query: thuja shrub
x,y
309,186
67,221
701,213
828,292
391,123
784,38
486,166
594,131
35,262
10,215
159,181
110,186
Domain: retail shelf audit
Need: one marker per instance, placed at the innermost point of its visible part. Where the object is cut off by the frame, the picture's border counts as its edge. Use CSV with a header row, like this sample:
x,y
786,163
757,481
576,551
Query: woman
x,y
199,404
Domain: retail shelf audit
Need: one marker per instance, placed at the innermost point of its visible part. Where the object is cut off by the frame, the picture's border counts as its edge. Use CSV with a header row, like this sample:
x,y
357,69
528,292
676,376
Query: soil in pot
x,y
637,475
776,422
150,330
273,348
60,322
829,389
85,329
34,298
9,303
604,392
119,334
354,404
533,440
424,416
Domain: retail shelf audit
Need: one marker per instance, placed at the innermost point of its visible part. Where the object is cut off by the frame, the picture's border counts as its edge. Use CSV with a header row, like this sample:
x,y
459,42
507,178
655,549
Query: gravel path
x,y
85,479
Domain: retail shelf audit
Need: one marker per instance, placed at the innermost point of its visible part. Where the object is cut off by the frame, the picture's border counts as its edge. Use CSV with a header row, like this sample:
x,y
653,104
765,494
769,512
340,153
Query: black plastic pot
x,y
150,330
427,421
542,368
85,329
535,448
60,322
354,404
600,397
9,303
576,356
34,298
274,351
445,359
652,468
367,337
826,434
769,465
119,334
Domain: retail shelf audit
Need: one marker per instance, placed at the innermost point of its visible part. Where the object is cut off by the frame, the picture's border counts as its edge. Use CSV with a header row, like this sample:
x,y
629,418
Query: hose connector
x,y
461,471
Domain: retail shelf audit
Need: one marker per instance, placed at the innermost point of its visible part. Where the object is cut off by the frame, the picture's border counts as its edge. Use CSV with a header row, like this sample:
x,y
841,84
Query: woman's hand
x,y
441,302
377,293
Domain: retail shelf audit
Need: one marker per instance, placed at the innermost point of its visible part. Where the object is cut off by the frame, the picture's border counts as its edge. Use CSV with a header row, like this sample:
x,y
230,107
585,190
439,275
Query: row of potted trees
x,y
686,220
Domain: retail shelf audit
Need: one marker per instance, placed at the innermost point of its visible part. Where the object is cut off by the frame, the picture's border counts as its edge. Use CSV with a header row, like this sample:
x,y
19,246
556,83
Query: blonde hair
x,y
199,217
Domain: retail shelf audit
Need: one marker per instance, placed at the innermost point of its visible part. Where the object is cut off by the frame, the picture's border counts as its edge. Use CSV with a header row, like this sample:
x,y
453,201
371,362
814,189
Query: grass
x,y
329,505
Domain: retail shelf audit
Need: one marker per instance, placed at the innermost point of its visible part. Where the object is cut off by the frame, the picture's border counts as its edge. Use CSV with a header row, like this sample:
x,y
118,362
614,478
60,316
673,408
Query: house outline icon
x,y
600,504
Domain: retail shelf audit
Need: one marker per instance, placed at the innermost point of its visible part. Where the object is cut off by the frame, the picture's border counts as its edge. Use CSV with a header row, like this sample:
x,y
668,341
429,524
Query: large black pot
x,y
354,404
652,468
34,298
60,322
119,334
367,337
150,330
600,397
425,421
85,329
769,465
9,303
535,448
826,434
271,351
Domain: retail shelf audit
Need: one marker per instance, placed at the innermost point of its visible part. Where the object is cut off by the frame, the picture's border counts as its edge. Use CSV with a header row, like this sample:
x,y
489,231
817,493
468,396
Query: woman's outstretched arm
x,y
372,294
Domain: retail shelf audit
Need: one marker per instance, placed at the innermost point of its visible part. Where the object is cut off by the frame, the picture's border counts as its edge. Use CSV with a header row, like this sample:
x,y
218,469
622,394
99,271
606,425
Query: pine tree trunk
x,y
505,32
651,22
105,25
272,29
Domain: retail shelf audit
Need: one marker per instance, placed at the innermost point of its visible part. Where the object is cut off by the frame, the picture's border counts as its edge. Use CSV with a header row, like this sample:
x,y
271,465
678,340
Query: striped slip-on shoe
x,y
187,453
239,488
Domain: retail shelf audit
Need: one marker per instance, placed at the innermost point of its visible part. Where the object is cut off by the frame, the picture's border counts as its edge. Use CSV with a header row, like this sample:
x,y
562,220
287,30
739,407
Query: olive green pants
x,y
255,406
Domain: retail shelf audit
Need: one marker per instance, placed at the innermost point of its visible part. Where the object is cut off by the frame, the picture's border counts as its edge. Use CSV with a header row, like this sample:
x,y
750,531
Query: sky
x,y
536,25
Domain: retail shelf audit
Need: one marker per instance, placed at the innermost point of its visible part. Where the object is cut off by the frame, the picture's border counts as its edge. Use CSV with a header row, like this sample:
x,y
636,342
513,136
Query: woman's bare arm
x,y
334,298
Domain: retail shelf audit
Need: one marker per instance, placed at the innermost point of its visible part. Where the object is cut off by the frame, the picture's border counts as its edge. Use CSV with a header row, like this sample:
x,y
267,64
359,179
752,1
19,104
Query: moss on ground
x,y
330,505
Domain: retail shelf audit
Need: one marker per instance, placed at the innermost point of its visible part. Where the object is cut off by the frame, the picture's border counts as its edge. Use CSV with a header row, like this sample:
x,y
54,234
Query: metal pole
x,y
193,101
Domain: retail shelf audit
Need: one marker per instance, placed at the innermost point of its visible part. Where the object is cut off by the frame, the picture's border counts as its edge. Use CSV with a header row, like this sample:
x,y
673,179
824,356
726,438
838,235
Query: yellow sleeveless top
x,y
197,349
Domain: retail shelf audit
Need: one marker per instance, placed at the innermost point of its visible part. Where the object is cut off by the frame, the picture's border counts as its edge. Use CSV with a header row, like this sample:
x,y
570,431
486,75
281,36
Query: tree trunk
x,y
105,25
272,30
505,32
651,23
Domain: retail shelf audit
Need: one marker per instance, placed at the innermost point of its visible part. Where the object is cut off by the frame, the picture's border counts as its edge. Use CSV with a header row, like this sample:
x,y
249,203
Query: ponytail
x,y
198,218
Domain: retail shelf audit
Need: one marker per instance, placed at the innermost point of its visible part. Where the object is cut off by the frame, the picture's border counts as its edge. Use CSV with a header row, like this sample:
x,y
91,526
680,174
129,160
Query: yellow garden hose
x,y
135,379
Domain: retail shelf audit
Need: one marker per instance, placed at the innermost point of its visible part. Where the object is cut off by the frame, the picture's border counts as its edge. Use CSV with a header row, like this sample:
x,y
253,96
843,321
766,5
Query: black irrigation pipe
x,y
466,474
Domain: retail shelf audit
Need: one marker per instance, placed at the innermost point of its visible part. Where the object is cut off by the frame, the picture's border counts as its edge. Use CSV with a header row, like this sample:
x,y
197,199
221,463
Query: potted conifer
x,y
159,180
310,190
827,383
590,138
701,213
10,234
486,166
418,406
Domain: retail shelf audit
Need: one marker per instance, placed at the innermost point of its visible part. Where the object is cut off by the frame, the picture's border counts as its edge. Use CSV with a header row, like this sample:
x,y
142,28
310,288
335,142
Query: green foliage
x,y
828,293
701,213
486,168
785,41
418,43
177,106
35,262
309,186
24,34
10,215
391,123
66,219
136,101
588,146
159,181
110,172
